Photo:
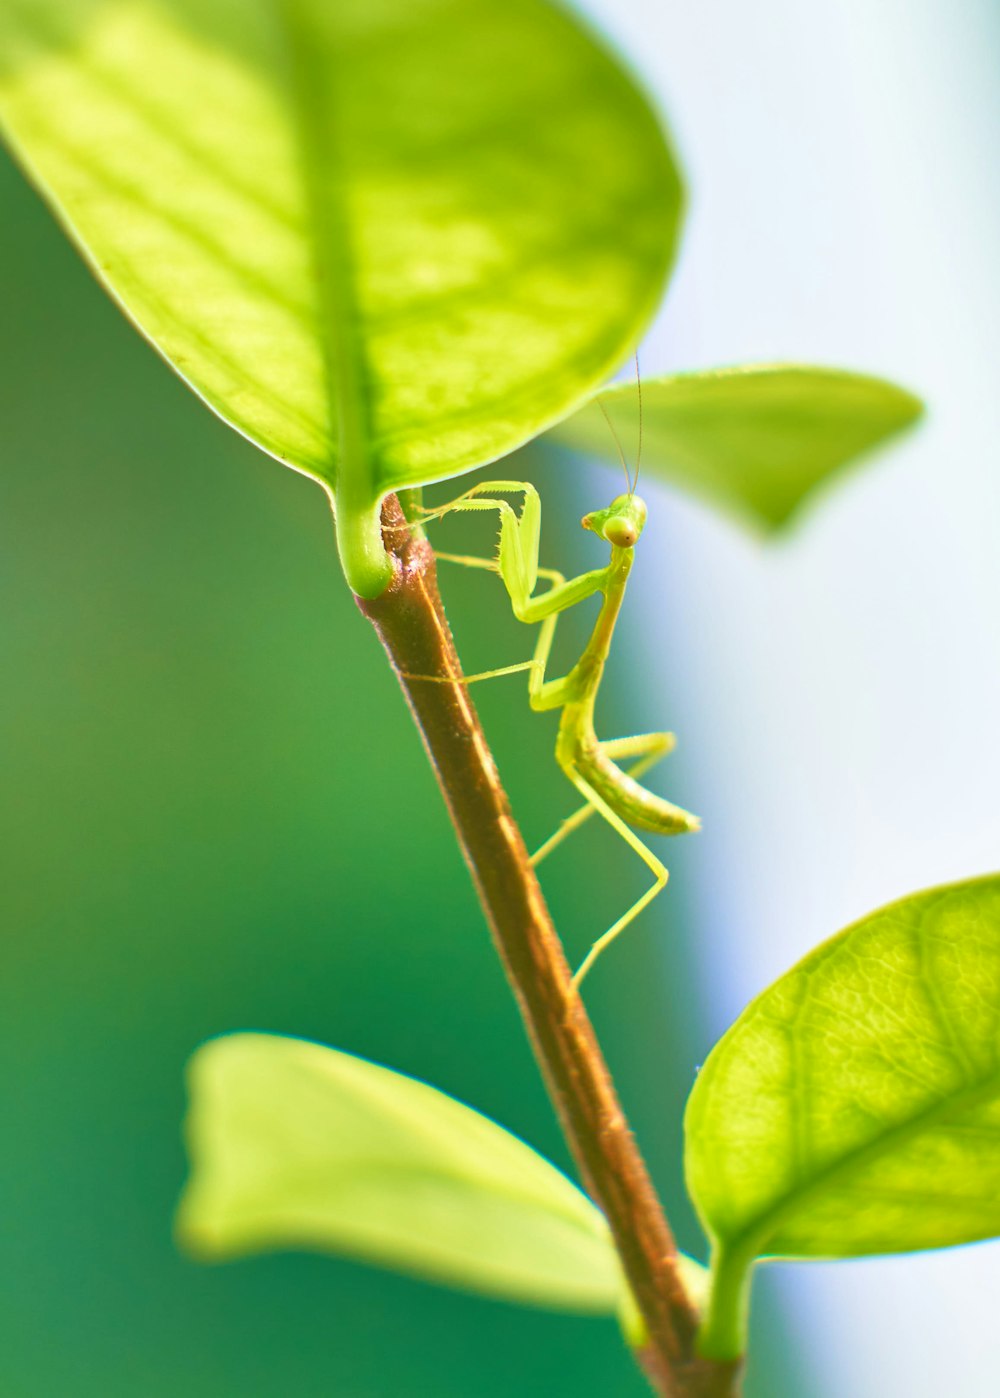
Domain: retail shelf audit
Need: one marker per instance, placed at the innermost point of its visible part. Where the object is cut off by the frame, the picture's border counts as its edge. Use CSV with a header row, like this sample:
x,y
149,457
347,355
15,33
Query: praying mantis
x,y
589,763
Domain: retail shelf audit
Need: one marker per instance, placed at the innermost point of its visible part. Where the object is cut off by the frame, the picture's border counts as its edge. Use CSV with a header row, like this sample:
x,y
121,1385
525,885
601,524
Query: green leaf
x,y
854,1107
294,1145
755,440
387,240
298,1146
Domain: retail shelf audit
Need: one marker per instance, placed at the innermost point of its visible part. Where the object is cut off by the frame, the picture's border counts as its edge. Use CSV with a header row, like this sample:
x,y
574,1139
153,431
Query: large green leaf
x,y
388,240
296,1145
854,1107
755,440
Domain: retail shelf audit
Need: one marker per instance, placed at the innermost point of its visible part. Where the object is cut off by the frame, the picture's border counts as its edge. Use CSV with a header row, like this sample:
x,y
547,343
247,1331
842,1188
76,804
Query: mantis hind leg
x,y
539,660
647,856
650,748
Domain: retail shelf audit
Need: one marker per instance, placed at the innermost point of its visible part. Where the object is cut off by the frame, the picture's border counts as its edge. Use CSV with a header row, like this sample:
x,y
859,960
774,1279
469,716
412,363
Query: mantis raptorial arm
x,y
517,556
517,564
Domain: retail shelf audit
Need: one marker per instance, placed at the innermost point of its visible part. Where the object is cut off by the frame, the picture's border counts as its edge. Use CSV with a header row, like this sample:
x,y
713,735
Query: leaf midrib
x,y
348,405
354,1234
754,1237
365,1167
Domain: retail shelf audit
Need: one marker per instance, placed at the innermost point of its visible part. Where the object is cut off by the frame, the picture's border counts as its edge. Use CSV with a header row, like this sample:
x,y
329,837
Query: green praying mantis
x,y
589,763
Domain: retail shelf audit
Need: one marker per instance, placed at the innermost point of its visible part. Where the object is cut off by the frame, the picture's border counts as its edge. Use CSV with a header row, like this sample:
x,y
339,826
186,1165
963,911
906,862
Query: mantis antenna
x,y
621,453
631,482
638,454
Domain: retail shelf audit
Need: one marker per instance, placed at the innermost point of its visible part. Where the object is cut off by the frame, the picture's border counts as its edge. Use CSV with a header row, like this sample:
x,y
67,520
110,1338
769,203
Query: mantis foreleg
x,y
517,564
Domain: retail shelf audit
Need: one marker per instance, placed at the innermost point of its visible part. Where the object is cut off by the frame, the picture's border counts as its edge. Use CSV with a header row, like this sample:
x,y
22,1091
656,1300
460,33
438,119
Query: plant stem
x,y
411,624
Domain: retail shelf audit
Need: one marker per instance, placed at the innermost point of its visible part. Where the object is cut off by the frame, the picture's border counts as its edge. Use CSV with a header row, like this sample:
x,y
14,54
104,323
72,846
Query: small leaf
x,y
298,1146
854,1107
387,240
755,440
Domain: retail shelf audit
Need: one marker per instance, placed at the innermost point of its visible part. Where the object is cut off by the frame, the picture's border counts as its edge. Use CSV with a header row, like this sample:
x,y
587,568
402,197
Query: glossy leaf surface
x,y
755,440
387,240
294,1145
854,1108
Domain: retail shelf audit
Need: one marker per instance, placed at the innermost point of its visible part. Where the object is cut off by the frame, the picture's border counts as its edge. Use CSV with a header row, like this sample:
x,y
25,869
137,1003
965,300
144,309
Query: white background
x,y
842,688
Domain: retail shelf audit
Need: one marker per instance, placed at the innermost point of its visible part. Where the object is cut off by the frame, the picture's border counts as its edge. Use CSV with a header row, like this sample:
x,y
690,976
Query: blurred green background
x,y
200,741
216,815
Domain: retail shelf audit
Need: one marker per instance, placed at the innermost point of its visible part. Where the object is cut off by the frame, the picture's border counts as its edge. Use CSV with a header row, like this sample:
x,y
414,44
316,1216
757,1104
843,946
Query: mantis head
x,y
621,523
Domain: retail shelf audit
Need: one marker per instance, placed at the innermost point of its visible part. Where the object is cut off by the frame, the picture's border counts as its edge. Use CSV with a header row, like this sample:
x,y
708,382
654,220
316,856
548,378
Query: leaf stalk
x,y
724,1332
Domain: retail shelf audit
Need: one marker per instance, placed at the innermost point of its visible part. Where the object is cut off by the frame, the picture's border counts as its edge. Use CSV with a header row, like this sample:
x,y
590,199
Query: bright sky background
x,y
842,689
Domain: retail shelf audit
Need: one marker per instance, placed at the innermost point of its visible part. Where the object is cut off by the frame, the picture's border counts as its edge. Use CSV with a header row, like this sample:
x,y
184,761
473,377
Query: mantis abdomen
x,y
627,797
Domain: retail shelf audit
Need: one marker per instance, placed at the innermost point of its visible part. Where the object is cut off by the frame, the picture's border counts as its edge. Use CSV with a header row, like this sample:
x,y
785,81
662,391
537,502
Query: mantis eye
x,y
621,532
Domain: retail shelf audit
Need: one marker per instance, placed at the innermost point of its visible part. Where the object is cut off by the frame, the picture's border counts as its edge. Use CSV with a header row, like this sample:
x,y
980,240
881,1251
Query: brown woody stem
x,y
412,626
